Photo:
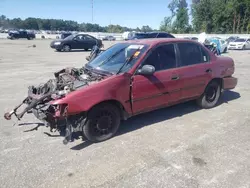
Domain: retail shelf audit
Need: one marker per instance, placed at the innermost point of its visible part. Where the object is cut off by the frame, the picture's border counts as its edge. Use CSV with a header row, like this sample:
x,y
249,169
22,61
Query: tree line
x,y
63,25
210,16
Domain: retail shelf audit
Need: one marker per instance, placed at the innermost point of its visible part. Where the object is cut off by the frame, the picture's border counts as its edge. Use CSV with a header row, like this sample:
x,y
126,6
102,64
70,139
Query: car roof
x,y
155,41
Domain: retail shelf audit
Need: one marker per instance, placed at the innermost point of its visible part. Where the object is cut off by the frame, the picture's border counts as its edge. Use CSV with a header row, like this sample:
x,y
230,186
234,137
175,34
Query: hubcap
x,y
66,48
103,124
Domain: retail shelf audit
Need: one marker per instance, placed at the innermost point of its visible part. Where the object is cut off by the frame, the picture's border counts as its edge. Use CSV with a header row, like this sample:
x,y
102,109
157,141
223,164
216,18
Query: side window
x,y
161,35
205,56
248,40
167,56
152,35
153,59
164,35
191,54
80,37
87,37
162,58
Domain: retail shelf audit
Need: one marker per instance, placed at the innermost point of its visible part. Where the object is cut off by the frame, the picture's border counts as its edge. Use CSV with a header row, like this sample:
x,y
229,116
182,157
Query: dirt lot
x,y
181,146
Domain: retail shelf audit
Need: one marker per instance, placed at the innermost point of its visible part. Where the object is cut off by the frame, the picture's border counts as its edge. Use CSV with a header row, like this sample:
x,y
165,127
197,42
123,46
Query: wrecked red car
x,y
127,79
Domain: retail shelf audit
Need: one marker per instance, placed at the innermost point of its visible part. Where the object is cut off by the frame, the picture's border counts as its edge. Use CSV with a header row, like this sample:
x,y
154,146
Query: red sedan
x,y
140,76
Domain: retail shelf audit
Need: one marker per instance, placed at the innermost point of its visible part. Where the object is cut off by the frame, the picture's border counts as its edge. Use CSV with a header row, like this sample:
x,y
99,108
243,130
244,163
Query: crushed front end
x,y
40,101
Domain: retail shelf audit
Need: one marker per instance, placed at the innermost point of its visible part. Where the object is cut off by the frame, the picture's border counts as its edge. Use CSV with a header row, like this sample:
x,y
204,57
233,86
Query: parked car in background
x,y
127,35
223,44
191,38
232,38
151,35
78,41
17,34
109,38
240,43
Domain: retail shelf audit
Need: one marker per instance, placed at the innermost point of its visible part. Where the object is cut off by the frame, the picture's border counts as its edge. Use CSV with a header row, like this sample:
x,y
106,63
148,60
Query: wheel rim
x,y
103,124
211,94
66,48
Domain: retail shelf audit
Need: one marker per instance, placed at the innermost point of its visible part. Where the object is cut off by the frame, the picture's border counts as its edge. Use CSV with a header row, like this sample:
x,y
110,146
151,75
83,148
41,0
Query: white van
x,y
127,35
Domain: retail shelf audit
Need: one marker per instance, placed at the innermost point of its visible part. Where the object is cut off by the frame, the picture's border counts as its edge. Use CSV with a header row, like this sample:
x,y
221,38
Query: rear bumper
x,y
229,82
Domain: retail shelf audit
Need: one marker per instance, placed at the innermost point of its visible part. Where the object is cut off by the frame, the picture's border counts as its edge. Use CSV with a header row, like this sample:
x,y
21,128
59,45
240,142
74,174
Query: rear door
x,y
89,41
161,88
195,69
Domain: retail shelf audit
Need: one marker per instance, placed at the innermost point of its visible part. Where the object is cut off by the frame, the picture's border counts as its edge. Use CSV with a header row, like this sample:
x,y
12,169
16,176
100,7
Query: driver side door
x,y
160,89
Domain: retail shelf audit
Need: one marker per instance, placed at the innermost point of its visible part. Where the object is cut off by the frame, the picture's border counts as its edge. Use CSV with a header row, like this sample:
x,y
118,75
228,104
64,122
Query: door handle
x,y
208,70
175,78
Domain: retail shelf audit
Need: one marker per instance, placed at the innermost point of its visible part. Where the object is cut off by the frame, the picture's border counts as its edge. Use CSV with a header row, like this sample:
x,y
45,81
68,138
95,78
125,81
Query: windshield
x,y
115,57
240,40
70,37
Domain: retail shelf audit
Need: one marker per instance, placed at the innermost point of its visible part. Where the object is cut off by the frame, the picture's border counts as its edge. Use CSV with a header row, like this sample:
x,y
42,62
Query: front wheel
x,y
102,123
210,96
66,48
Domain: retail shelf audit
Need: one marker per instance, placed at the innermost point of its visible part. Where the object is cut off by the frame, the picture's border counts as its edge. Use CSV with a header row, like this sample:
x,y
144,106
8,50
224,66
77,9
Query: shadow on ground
x,y
145,119
160,115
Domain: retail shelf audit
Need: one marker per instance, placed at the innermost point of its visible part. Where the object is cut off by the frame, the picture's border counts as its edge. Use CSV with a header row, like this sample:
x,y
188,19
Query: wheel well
x,y
123,112
67,45
218,80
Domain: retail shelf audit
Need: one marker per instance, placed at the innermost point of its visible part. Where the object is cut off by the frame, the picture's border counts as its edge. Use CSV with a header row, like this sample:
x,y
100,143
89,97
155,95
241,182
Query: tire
x,y
86,49
109,119
58,50
210,96
66,48
244,47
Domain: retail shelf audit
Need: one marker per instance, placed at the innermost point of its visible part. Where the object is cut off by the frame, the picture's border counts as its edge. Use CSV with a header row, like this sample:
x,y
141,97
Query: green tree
x,y
179,19
146,28
58,24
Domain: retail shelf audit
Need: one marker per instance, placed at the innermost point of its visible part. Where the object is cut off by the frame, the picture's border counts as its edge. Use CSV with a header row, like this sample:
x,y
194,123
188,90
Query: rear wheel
x,y
210,96
66,48
102,123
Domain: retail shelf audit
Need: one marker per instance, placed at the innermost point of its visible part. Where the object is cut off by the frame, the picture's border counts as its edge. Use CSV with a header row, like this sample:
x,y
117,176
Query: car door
x,y
77,41
89,42
195,69
248,44
160,89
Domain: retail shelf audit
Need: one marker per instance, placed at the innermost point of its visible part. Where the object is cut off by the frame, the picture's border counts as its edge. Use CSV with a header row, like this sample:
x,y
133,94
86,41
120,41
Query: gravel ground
x,y
181,146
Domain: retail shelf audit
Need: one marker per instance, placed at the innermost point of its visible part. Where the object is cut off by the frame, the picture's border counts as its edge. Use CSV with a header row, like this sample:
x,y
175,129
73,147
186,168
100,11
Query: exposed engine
x,y
39,97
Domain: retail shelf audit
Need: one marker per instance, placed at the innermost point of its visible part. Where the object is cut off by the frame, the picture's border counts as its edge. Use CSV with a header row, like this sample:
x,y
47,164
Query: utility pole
x,y
92,4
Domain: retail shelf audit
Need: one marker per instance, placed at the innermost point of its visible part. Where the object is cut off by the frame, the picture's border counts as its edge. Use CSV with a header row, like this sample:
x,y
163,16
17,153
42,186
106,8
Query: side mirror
x,y
146,70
